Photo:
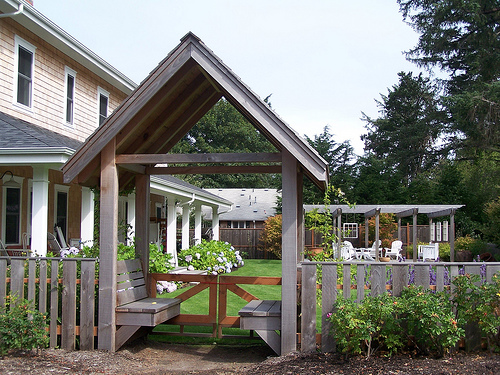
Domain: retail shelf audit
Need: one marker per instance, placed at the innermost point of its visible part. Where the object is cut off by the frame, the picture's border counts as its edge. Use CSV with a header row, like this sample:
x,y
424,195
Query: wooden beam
x,y
215,169
405,213
440,213
136,169
289,254
108,248
262,157
153,129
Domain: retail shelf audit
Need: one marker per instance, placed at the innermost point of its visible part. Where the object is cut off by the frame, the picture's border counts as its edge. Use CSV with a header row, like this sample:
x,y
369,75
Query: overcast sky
x,y
323,61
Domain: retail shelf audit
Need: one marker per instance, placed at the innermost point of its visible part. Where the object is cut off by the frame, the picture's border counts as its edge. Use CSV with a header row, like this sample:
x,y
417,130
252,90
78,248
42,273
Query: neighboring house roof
x,y
41,26
169,102
248,204
187,191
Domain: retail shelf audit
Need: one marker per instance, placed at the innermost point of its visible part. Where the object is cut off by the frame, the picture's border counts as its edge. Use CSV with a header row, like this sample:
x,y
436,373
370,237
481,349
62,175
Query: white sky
x,y
323,61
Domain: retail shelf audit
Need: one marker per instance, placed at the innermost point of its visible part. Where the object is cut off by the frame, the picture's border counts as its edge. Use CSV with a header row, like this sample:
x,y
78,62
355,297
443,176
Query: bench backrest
x,y
130,283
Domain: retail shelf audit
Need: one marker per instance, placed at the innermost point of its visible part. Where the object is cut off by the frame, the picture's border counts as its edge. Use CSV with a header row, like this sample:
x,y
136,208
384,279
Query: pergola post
x,y
185,226
108,248
452,235
142,217
415,248
197,223
377,233
289,254
339,230
215,223
301,225
399,228
366,232
172,230
40,209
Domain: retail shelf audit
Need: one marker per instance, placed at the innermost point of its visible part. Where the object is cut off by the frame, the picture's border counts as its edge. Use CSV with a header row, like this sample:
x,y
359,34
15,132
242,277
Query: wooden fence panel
x,y
31,279
3,276
422,275
329,296
399,279
308,324
17,278
42,295
87,303
377,279
68,315
360,280
346,281
54,302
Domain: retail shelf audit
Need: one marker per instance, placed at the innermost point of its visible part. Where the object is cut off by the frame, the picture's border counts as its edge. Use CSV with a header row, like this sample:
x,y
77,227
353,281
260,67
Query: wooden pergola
x,y
125,150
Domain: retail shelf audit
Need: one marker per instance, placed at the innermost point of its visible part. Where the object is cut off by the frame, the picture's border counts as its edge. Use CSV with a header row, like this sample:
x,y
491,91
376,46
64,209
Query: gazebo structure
x,y
125,150
401,210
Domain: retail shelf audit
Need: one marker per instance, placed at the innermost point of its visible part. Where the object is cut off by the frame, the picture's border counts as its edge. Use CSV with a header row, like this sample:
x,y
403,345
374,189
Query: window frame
x,y
69,72
62,189
4,212
104,93
21,43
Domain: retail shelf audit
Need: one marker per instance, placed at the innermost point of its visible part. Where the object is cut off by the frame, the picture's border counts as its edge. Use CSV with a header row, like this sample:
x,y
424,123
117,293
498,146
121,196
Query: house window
x,y
240,224
70,94
350,230
24,64
12,215
61,209
103,101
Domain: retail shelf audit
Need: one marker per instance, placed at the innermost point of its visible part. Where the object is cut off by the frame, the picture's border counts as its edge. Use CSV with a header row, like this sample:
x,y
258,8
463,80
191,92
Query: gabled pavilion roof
x,y
169,102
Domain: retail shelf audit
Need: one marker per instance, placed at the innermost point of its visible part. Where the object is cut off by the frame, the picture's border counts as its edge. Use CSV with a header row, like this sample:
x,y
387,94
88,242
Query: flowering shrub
x,y
213,256
425,318
21,326
166,286
270,237
71,252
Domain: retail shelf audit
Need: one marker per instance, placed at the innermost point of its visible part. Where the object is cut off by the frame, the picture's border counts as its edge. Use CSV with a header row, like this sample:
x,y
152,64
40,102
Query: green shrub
x,y
467,243
444,251
367,326
22,327
480,303
431,323
159,262
212,256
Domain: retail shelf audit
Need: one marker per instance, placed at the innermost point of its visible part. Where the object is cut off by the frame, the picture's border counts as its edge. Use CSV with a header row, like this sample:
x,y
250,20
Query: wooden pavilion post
x,y
289,254
452,235
108,248
301,225
142,192
377,233
415,247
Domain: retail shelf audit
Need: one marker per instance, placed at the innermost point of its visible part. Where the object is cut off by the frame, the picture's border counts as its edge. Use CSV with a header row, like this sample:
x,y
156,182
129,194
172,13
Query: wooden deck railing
x,y
372,277
68,297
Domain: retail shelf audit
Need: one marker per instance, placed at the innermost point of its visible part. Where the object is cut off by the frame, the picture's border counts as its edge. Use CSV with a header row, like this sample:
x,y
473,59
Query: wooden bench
x,y
263,317
134,309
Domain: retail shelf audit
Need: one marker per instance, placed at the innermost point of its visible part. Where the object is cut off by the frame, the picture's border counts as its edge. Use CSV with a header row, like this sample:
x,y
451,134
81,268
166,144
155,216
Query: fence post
x,y
68,314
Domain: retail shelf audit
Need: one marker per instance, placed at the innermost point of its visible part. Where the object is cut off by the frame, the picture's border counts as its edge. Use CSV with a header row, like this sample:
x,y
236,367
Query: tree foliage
x,y
406,132
222,130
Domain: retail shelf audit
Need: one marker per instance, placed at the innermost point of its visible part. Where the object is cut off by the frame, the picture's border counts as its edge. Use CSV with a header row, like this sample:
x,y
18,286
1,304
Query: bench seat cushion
x,y
149,305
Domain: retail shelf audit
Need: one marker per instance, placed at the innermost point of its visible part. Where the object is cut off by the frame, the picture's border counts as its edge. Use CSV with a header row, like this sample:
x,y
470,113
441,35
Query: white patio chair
x,y
395,250
371,252
54,244
428,252
347,251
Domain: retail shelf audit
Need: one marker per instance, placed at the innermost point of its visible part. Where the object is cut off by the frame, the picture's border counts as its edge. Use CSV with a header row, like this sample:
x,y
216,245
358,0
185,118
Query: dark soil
x,y
161,358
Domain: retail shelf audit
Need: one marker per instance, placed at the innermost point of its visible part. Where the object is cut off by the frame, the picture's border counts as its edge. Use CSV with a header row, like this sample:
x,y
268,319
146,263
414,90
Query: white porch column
x,y
185,226
197,223
87,220
172,230
131,217
215,223
39,217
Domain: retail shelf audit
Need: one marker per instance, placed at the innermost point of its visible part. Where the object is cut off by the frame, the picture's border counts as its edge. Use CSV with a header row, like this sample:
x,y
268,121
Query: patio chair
x,y
62,240
347,251
395,250
3,252
371,252
54,244
428,252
